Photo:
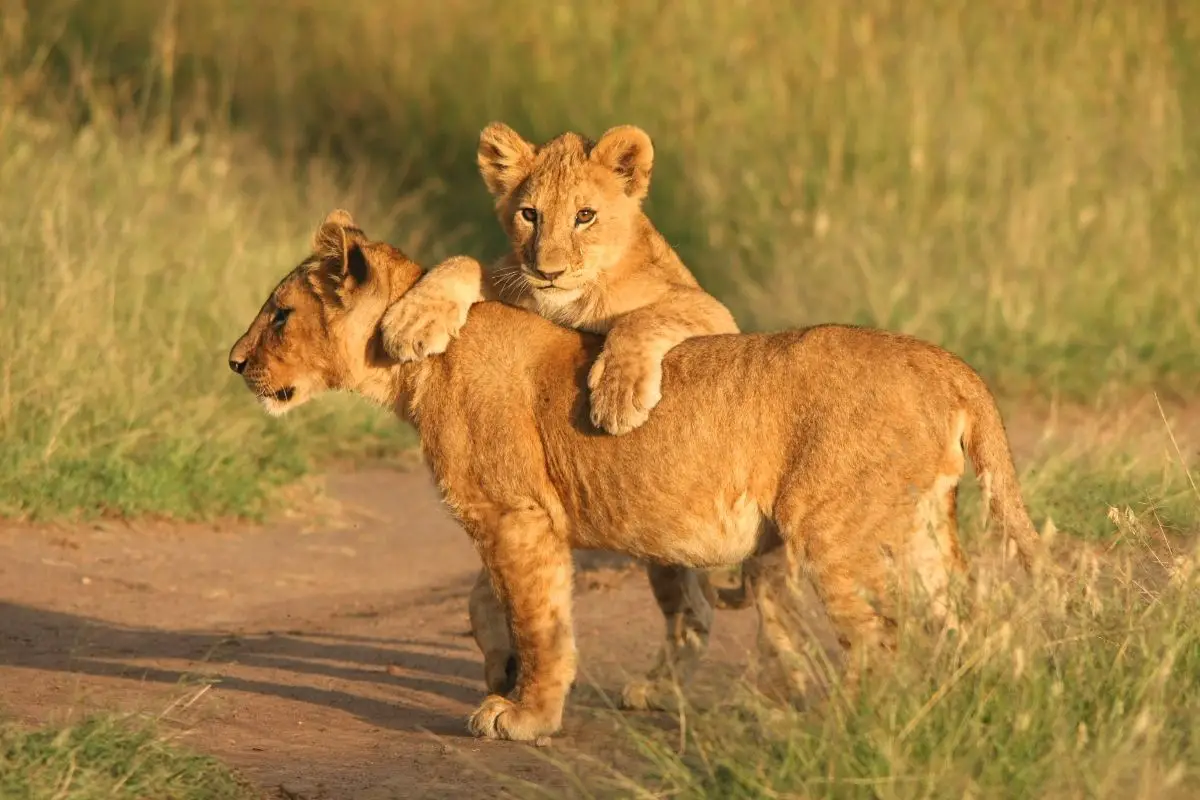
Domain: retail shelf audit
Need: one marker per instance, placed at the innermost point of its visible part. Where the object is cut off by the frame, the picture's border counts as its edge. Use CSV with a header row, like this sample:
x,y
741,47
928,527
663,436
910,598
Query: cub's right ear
x,y
505,159
335,233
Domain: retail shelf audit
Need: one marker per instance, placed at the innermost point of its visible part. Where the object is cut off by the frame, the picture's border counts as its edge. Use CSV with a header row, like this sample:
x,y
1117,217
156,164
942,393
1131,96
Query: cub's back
x,y
715,381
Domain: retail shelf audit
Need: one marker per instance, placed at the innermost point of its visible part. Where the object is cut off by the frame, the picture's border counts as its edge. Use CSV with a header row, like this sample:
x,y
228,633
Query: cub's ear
x,y
627,151
338,228
340,216
504,158
338,244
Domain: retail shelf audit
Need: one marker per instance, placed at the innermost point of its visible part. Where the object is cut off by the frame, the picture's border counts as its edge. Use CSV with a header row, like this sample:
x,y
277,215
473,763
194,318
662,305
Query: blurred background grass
x,y
1015,181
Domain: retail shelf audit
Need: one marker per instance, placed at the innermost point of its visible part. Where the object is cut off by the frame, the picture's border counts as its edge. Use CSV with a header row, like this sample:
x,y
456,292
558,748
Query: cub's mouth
x,y
277,401
283,395
558,286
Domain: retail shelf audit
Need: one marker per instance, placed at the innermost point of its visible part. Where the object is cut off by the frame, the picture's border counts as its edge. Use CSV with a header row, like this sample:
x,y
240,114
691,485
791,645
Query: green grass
x,y
130,266
106,757
1013,181
1081,489
1080,497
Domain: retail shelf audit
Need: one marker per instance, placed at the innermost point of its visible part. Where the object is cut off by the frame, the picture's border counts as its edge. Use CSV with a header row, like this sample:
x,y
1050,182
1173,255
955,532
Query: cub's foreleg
x,y
530,568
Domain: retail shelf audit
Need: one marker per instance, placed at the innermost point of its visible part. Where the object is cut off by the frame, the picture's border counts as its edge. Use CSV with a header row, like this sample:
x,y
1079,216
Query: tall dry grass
x,y
1087,686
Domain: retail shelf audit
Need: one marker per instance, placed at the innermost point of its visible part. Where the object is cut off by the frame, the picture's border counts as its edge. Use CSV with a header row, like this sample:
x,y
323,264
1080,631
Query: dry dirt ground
x,y
337,655
324,656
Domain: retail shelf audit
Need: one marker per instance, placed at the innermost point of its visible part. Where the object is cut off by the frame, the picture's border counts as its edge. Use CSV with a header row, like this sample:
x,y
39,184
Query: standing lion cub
x,y
841,447
583,254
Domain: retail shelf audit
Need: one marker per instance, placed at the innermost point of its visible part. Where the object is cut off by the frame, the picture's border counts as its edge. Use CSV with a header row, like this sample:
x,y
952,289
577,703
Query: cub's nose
x,y
238,365
548,272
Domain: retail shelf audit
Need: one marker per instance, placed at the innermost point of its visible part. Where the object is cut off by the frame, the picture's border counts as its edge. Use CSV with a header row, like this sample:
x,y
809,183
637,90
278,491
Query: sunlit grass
x,y
108,757
1011,181
129,268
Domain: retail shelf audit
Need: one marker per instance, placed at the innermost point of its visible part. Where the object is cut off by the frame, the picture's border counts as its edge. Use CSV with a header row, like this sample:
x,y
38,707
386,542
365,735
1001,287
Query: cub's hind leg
x,y
934,555
789,664
489,626
686,598
838,546
853,587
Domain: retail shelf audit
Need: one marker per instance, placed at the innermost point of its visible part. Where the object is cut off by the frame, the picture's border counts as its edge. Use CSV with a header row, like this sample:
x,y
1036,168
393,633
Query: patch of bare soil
x,y
332,658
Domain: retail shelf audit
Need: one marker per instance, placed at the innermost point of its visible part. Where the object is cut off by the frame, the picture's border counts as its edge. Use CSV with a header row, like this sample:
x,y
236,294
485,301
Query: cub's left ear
x,y
627,151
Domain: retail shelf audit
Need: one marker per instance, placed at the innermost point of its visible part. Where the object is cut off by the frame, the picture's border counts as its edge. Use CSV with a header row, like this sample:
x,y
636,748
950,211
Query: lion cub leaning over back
x,y
584,255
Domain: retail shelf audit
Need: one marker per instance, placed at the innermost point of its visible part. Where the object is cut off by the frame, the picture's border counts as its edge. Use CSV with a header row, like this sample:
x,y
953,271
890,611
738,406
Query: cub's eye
x,y
530,214
280,317
584,215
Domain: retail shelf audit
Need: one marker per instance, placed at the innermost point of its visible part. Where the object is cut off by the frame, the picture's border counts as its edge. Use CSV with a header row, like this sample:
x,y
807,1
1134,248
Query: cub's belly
x,y
724,532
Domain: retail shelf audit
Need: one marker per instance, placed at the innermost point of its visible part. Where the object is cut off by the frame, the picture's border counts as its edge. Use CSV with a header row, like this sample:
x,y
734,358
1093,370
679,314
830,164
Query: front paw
x,y
501,718
623,392
417,326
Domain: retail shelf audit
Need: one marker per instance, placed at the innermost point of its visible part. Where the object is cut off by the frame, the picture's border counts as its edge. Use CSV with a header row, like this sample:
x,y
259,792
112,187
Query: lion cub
x,y
583,255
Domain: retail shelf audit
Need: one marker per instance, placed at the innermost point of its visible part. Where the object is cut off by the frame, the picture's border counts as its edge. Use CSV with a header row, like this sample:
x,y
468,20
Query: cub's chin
x,y
551,299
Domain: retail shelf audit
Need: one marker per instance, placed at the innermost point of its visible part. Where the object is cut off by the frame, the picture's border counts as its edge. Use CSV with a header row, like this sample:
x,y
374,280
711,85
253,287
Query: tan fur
x,y
834,442
612,273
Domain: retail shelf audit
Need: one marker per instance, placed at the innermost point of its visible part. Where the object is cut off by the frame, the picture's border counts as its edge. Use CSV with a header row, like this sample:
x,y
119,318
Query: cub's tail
x,y
987,445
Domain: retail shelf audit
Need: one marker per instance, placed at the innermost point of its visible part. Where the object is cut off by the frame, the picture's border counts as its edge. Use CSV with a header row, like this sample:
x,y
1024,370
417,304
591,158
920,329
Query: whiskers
x,y
557,303
259,380
509,280
274,398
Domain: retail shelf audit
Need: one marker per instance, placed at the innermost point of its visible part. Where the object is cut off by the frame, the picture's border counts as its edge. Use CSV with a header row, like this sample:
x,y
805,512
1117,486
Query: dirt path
x,y
339,658
335,652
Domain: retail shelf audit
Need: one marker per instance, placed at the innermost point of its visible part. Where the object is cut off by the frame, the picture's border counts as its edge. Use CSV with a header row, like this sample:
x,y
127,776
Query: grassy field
x,y
1013,180
106,757
1010,179
130,267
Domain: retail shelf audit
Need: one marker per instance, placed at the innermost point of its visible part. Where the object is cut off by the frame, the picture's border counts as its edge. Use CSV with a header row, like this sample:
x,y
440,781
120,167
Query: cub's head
x,y
318,329
570,207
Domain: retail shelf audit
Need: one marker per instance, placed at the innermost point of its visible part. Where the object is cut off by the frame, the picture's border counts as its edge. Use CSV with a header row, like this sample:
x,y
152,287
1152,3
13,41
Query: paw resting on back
x,y
421,324
624,389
